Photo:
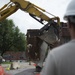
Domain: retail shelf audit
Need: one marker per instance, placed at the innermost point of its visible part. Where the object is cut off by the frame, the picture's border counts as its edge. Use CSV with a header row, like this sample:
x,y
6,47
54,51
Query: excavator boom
x,y
33,10
6,11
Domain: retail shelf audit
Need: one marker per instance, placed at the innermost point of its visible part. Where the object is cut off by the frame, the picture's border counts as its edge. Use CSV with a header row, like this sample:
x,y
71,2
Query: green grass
x,y
6,62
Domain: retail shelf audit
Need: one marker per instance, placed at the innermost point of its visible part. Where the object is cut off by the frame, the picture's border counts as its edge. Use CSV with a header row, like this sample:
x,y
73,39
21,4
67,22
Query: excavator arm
x,y
7,10
37,13
33,10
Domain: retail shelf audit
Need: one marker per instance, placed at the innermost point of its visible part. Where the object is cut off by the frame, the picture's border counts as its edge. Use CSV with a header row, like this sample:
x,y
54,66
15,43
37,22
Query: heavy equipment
x,y
49,34
26,6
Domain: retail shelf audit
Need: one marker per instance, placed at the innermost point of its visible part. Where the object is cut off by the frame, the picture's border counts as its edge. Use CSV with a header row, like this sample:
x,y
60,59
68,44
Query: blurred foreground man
x,y
61,60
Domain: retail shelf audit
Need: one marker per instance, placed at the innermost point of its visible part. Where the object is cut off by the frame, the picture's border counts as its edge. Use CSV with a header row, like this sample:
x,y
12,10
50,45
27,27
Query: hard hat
x,y
70,9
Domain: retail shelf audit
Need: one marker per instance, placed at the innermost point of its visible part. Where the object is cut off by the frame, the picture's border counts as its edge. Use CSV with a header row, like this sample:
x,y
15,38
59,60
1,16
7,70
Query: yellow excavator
x,y
26,6
34,11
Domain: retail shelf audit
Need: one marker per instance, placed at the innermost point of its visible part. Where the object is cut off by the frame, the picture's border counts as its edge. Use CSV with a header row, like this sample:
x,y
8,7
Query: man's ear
x,y
69,25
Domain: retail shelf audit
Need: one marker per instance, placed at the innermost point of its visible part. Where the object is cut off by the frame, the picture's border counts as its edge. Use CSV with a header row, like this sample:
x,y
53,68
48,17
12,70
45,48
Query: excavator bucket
x,y
50,33
49,36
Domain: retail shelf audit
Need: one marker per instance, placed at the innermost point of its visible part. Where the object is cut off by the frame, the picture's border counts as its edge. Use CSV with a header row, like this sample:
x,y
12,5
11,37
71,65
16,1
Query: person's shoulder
x,y
61,48
69,44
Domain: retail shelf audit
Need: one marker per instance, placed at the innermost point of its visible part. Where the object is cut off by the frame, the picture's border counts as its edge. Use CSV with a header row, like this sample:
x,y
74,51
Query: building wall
x,y
11,55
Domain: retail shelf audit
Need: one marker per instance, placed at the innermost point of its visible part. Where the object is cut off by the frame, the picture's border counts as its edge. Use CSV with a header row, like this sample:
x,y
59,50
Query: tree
x,y
10,37
19,40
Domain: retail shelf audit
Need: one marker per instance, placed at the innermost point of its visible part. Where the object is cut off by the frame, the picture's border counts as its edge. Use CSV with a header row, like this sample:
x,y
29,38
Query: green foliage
x,y
10,37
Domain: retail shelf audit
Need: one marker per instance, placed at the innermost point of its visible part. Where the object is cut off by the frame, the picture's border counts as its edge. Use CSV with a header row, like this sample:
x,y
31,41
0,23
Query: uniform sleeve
x,y
49,67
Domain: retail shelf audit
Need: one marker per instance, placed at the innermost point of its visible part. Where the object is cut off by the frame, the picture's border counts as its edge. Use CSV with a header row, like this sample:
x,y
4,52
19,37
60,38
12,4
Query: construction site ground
x,y
25,69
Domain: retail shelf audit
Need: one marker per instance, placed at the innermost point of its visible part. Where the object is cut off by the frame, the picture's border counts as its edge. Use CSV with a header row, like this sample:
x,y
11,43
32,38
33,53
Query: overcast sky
x,y
24,21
